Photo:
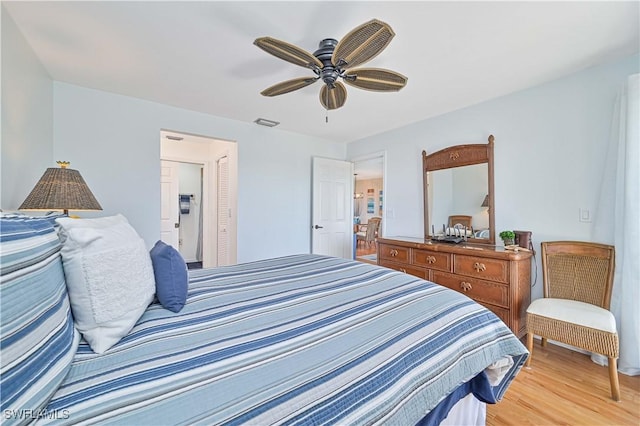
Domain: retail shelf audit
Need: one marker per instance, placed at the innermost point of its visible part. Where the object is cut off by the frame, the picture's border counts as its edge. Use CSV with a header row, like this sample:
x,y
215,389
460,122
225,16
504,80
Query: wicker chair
x,y
578,278
371,231
460,220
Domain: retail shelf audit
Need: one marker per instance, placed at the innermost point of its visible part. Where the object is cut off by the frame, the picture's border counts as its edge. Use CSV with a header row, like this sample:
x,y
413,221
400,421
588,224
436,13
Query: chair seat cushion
x,y
574,312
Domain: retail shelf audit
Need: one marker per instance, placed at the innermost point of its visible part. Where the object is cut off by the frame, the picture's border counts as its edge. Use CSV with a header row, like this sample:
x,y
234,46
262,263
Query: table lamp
x,y
61,189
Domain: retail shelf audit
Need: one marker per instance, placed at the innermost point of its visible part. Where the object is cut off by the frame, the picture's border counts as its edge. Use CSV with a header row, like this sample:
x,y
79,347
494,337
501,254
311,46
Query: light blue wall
x,y
550,146
27,117
114,141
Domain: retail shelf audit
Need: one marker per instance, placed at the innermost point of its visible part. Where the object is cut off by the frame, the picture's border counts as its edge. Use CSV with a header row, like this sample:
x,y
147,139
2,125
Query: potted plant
x,y
508,237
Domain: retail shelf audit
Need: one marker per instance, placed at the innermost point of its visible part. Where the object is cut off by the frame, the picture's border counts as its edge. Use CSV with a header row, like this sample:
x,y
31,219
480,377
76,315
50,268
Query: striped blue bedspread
x,y
296,340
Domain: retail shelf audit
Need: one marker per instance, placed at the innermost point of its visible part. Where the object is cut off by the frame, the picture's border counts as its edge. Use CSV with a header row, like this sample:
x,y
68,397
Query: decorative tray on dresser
x,y
496,278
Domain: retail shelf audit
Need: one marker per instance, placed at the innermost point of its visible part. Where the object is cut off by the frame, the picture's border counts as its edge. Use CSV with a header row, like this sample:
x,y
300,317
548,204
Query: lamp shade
x,y
485,203
61,189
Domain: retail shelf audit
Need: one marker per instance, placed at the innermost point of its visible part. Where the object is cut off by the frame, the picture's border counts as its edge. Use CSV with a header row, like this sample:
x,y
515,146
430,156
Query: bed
x,y
301,339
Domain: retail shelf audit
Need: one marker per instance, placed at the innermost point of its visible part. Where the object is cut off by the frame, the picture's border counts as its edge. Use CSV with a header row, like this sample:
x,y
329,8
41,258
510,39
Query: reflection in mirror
x,y
459,191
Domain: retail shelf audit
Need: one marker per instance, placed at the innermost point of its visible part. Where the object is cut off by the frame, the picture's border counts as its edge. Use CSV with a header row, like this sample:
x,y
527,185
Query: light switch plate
x,y
585,215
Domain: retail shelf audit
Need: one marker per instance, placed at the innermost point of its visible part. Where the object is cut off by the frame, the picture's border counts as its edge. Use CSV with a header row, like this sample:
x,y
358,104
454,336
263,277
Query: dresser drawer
x,y
417,272
483,268
394,253
479,290
432,259
498,279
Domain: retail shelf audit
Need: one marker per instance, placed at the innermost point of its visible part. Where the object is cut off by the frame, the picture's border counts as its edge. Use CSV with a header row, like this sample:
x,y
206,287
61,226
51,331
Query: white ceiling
x,y
200,55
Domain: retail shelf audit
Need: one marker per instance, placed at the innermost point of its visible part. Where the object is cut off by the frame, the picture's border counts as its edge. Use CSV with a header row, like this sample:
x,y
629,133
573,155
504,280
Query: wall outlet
x,y
585,215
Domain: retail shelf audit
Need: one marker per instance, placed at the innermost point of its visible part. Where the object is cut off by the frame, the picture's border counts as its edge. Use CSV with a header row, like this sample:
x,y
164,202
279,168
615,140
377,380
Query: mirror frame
x,y
458,156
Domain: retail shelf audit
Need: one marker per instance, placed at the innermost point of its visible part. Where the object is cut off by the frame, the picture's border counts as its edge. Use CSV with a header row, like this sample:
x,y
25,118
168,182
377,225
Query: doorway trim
x,y
188,148
371,156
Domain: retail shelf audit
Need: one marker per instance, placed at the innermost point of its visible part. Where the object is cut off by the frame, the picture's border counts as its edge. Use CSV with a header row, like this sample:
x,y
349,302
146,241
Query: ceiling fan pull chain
x,y
326,109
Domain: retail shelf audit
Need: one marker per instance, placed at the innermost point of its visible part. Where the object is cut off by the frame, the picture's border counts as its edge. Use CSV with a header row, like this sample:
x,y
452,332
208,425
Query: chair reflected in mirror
x,y
368,232
459,226
459,221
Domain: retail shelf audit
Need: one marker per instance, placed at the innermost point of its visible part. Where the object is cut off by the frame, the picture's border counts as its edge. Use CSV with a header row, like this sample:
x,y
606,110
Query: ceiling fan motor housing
x,y
328,73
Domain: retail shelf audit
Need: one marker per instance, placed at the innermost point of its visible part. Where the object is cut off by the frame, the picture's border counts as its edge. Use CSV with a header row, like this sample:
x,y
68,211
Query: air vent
x,y
265,122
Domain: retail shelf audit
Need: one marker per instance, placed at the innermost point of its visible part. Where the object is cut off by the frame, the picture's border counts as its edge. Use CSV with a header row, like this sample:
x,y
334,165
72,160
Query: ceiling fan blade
x,y
288,52
333,98
288,86
376,79
362,44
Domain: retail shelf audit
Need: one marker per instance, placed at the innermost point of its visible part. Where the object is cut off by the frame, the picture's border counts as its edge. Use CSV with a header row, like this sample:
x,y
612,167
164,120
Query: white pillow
x,y
109,277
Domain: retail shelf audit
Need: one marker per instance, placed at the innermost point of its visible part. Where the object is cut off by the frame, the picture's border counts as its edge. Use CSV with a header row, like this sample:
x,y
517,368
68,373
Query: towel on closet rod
x,y
185,203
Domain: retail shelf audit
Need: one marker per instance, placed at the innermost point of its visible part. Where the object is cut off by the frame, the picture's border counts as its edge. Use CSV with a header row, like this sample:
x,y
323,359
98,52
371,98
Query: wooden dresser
x,y
492,276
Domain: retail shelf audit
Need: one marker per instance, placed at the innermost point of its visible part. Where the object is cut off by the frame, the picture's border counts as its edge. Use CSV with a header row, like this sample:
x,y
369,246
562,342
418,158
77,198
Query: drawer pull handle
x,y
403,270
393,253
479,267
431,259
465,286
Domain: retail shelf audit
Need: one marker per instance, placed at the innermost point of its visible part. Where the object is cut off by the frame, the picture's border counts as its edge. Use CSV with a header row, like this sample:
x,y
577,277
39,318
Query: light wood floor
x,y
362,249
563,387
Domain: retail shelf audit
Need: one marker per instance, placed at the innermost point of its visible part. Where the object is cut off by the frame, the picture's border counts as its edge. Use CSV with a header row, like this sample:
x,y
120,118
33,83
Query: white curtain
x,y
617,222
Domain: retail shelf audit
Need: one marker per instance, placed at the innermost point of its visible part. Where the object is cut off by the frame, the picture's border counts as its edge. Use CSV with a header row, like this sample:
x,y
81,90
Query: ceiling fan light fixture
x,y
265,122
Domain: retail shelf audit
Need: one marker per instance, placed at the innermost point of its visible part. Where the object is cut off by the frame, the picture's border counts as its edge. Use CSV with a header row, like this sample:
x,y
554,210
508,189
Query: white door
x,y
169,224
332,217
224,211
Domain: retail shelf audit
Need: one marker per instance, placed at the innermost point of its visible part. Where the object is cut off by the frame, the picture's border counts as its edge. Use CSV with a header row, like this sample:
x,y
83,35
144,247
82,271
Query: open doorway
x,y
368,205
199,198
190,230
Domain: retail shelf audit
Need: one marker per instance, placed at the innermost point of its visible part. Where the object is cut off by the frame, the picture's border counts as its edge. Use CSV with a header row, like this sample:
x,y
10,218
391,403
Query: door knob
x,y
176,225
318,227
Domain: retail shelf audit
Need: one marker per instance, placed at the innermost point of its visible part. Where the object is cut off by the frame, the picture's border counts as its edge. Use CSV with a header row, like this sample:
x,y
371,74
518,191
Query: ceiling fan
x,y
334,60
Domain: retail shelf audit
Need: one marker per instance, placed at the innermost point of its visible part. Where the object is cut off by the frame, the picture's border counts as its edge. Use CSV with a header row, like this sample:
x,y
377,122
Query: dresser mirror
x,y
458,193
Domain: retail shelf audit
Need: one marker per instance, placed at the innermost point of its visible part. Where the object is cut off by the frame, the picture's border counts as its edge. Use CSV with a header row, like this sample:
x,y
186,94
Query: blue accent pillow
x,y
171,275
